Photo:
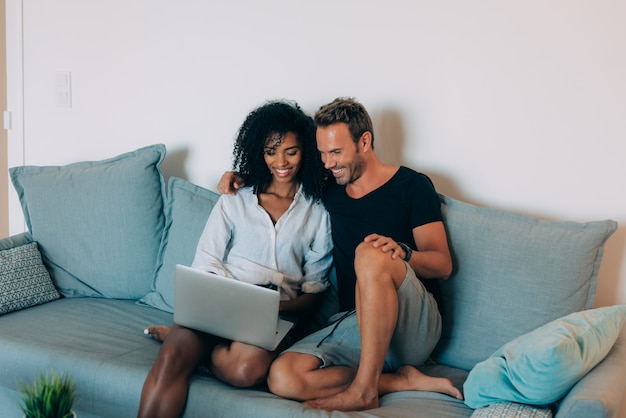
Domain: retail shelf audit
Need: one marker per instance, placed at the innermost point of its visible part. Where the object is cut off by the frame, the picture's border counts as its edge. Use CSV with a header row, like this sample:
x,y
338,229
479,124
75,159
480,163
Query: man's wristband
x,y
408,250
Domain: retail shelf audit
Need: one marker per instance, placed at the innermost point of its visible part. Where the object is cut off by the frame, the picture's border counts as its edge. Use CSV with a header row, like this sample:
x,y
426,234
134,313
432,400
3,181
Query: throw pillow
x,y
540,367
24,281
15,241
98,223
511,410
513,273
188,208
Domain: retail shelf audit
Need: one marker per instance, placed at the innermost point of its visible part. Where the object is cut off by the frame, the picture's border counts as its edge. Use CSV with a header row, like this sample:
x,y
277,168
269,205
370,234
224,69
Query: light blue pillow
x,y
512,274
540,367
98,223
188,208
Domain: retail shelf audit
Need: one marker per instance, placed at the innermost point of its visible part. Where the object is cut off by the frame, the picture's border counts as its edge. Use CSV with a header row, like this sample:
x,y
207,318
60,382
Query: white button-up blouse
x,y
241,241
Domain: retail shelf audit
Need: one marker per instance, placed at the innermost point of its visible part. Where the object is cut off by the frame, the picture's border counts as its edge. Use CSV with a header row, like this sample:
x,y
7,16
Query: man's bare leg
x,y
308,383
298,376
378,277
409,378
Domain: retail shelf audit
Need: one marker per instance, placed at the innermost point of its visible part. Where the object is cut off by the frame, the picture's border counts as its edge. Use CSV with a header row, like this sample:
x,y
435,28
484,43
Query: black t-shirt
x,y
406,201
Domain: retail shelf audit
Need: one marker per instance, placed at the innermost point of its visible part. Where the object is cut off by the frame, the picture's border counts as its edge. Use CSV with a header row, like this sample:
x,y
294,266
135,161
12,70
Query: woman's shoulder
x,y
241,194
308,200
315,208
243,197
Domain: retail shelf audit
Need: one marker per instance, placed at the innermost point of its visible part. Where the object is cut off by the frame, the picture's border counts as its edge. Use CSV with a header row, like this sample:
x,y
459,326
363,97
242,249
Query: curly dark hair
x,y
267,121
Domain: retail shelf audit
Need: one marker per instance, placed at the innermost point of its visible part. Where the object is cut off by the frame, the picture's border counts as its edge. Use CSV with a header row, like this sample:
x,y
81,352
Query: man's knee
x,y
366,255
373,263
286,375
280,375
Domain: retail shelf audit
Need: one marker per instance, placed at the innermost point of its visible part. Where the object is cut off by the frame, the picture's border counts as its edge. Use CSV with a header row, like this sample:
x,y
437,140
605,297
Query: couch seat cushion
x,y
100,343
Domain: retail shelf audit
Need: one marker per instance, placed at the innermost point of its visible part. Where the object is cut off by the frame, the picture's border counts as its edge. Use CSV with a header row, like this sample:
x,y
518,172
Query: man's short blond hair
x,y
346,110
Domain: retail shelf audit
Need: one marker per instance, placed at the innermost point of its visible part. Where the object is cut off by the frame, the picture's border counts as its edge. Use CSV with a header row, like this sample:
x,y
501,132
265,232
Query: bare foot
x,y
158,332
419,381
348,400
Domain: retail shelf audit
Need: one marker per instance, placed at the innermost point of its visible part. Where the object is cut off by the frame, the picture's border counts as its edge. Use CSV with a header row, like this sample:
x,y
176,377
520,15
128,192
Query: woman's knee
x,y
171,360
245,374
181,351
240,366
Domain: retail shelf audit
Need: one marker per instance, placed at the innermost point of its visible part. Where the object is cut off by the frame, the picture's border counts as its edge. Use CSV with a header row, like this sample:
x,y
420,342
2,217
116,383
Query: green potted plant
x,y
50,396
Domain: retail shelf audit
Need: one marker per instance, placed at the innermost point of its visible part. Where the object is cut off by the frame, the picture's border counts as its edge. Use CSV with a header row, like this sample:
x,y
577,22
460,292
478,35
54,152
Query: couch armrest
x,y
599,393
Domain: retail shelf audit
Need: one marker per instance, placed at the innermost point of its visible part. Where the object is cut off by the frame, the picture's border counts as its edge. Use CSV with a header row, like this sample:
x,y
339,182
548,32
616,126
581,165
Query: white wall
x,y
517,105
4,191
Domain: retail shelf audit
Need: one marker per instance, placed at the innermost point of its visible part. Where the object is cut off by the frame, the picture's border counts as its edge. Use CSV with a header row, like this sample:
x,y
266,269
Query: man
x,y
388,231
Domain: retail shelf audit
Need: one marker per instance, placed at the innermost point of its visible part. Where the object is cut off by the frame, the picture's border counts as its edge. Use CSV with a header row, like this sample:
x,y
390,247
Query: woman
x,y
274,232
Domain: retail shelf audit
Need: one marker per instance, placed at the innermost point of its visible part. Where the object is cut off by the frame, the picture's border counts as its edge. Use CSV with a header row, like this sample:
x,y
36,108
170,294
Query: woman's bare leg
x,y
158,332
165,389
378,278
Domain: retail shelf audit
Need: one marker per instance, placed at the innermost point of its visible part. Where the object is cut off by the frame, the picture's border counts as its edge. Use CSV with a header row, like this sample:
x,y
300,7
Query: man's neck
x,y
375,174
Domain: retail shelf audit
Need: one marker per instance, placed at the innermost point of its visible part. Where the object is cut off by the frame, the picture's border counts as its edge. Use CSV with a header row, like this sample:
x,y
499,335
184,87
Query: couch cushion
x,y
98,223
540,367
187,210
24,281
101,345
513,273
99,342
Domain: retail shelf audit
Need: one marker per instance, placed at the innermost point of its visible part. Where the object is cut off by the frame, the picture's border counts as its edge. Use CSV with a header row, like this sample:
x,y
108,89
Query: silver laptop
x,y
228,308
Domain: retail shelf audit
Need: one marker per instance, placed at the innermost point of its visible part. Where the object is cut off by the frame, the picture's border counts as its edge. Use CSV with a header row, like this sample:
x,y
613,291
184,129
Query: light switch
x,y
7,120
63,89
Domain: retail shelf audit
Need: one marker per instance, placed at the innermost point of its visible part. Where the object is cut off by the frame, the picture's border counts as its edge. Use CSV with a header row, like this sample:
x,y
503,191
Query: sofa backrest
x,y
108,229
187,209
513,273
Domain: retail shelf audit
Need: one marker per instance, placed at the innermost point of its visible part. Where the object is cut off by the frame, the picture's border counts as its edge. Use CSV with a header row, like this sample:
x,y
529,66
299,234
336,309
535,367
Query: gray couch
x,y
109,233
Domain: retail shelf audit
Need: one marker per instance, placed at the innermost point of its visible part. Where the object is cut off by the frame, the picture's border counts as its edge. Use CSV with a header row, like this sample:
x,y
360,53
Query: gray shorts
x,y
417,332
